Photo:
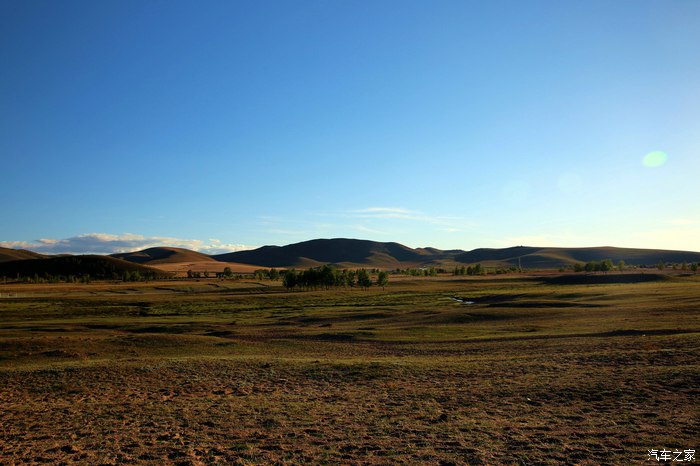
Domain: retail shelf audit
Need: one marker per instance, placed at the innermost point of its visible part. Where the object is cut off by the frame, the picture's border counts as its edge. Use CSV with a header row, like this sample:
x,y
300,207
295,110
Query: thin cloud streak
x,y
407,214
369,230
384,212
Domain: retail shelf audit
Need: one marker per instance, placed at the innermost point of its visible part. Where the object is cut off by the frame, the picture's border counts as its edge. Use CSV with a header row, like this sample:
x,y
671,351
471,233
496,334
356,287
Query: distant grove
x,y
324,277
607,265
327,277
77,269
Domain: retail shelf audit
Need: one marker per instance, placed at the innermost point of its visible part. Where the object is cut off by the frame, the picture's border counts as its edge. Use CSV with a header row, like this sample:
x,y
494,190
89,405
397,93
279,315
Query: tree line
x,y
327,277
606,265
126,276
476,269
684,266
260,274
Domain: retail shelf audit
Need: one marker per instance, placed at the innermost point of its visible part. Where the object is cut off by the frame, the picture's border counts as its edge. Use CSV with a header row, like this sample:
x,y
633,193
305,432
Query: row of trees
x,y
126,276
605,265
136,276
684,266
477,269
227,273
271,274
47,278
260,274
328,277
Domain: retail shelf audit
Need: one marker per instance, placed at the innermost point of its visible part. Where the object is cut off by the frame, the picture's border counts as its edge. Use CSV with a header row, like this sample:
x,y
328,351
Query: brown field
x,y
540,370
211,266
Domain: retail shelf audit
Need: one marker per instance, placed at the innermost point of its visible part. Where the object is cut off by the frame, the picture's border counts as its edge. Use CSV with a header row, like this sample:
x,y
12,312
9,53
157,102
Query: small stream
x,y
463,300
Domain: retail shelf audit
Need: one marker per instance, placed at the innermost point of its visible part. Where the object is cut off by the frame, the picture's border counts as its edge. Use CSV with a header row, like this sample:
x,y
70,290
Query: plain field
x,y
537,371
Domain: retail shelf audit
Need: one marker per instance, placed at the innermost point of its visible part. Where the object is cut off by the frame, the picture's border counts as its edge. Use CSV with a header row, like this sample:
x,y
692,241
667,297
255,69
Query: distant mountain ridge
x,y
551,257
354,253
345,252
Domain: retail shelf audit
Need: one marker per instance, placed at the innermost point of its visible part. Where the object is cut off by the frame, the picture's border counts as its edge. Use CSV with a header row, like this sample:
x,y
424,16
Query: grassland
x,y
539,370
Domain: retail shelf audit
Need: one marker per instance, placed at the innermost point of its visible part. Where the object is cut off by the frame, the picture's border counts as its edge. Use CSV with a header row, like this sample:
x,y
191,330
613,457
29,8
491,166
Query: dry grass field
x,y
180,268
539,370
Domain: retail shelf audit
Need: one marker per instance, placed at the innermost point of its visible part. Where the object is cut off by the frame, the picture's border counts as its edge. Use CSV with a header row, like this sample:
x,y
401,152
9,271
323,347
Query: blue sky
x,y
453,124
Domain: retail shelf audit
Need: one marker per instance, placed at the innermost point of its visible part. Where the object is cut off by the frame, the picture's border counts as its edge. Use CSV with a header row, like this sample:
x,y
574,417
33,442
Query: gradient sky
x,y
217,125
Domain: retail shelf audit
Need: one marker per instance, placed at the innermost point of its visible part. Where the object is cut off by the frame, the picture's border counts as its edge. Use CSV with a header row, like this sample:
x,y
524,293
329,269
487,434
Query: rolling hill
x,y
534,257
8,255
351,253
362,253
93,265
163,255
340,251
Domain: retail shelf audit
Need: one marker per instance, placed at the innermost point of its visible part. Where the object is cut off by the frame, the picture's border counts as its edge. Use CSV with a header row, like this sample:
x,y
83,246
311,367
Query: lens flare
x,y
655,159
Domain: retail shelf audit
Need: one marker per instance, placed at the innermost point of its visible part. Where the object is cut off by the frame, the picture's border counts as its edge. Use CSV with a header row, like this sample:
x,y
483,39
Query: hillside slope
x,y
342,251
163,255
362,253
536,257
355,253
7,255
93,265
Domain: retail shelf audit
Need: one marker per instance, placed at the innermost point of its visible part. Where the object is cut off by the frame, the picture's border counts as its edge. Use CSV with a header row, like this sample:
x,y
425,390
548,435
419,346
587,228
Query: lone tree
x,y
350,278
382,279
606,265
363,279
291,279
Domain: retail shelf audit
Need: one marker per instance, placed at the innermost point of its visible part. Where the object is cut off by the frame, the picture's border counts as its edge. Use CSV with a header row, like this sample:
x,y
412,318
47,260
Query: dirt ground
x,y
532,373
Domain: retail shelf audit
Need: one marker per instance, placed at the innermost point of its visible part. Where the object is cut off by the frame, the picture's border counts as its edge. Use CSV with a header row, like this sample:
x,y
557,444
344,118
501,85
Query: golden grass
x,y
211,266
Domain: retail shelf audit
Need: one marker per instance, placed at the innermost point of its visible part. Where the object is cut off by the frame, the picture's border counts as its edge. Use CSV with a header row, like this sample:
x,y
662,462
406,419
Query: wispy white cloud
x,y
366,229
105,243
450,223
385,212
215,246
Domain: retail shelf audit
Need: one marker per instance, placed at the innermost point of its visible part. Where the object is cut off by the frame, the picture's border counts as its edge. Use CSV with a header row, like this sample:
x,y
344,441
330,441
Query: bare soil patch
x,y
211,266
